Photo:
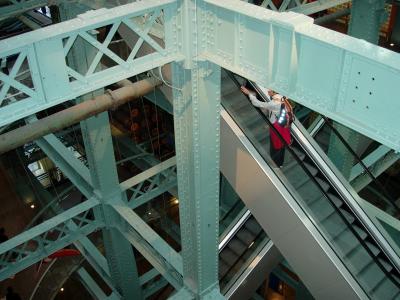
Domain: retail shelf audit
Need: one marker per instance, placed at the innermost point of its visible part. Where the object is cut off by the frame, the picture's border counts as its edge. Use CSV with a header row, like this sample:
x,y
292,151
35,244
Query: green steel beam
x,y
196,102
150,183
56,80
369,161
71,167
380,166
165,259
159,99
155,287
91,285
87,249
100,154
367,17
144,162
329,72
46,238
15,8
302,7
96,133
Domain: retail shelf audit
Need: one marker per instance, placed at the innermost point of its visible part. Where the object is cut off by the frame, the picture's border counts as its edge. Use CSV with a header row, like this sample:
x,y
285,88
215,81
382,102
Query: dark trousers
x,y
277,155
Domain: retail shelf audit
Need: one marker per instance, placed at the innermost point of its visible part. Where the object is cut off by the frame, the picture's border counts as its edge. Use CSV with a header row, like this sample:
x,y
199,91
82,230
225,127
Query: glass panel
x,y
240,251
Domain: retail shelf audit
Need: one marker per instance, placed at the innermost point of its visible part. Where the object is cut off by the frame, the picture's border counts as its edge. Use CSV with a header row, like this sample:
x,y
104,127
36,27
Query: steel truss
x,y
333,74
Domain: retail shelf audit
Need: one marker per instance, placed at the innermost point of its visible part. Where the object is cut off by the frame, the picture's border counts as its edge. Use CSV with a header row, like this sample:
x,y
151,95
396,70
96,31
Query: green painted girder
x,y
72,167
85,246
55,80
16,8
151,183
162,257
40,241
303,7
91,285
326,71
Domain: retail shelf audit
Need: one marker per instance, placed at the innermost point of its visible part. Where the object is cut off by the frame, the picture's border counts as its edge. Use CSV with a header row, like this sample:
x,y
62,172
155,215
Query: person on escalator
x,y
280,115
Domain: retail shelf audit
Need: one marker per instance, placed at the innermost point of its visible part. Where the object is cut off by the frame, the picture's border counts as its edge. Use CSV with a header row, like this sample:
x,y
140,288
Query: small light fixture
x,y
149,212
62,289
391,44
176,201
32,206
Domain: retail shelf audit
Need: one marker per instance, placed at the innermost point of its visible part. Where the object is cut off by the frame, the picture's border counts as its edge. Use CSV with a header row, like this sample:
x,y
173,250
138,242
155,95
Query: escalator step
x,y
385,264
346,242
237,246
373,248
245,236
385,290
309,191
349,217
253,226
325,185
338,202
322,209
228,256
296,175
371,277
223,268
311,168
361,232
358,259
300,154
334,225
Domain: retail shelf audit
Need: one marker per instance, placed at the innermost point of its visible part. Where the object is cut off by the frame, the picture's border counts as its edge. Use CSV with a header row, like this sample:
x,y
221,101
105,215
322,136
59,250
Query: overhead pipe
x,y
332,17
75,114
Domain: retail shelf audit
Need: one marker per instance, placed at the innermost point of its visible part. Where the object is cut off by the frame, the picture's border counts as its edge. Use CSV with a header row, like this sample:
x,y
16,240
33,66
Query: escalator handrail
x,y
359,160
243,219
241,256
301,163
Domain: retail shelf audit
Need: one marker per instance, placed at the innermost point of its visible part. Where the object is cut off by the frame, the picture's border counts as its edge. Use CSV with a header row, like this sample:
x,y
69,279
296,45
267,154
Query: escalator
x,y
306,207
323,134
246,256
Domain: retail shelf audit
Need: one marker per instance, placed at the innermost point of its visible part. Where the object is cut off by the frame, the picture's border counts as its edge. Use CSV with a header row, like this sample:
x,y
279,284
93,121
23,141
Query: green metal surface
x,y
367,17
51,82
312,65
196,102
38,242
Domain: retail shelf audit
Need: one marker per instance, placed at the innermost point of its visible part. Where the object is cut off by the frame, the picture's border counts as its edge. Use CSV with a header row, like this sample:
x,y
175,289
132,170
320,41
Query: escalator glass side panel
x,y
240,250
231,206
316,197
386,201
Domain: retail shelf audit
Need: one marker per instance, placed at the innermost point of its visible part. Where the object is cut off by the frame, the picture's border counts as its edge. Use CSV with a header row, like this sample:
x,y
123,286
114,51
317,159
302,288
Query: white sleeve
x,y
258,103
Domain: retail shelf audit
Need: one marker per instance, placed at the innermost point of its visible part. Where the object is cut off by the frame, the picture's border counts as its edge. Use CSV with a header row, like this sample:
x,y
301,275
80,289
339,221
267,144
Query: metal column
x,y
196,94
100,155
367,17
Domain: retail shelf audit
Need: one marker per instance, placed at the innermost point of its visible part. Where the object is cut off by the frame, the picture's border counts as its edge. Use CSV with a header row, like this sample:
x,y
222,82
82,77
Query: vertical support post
x,y
197,96
196,119
366,19
100,155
